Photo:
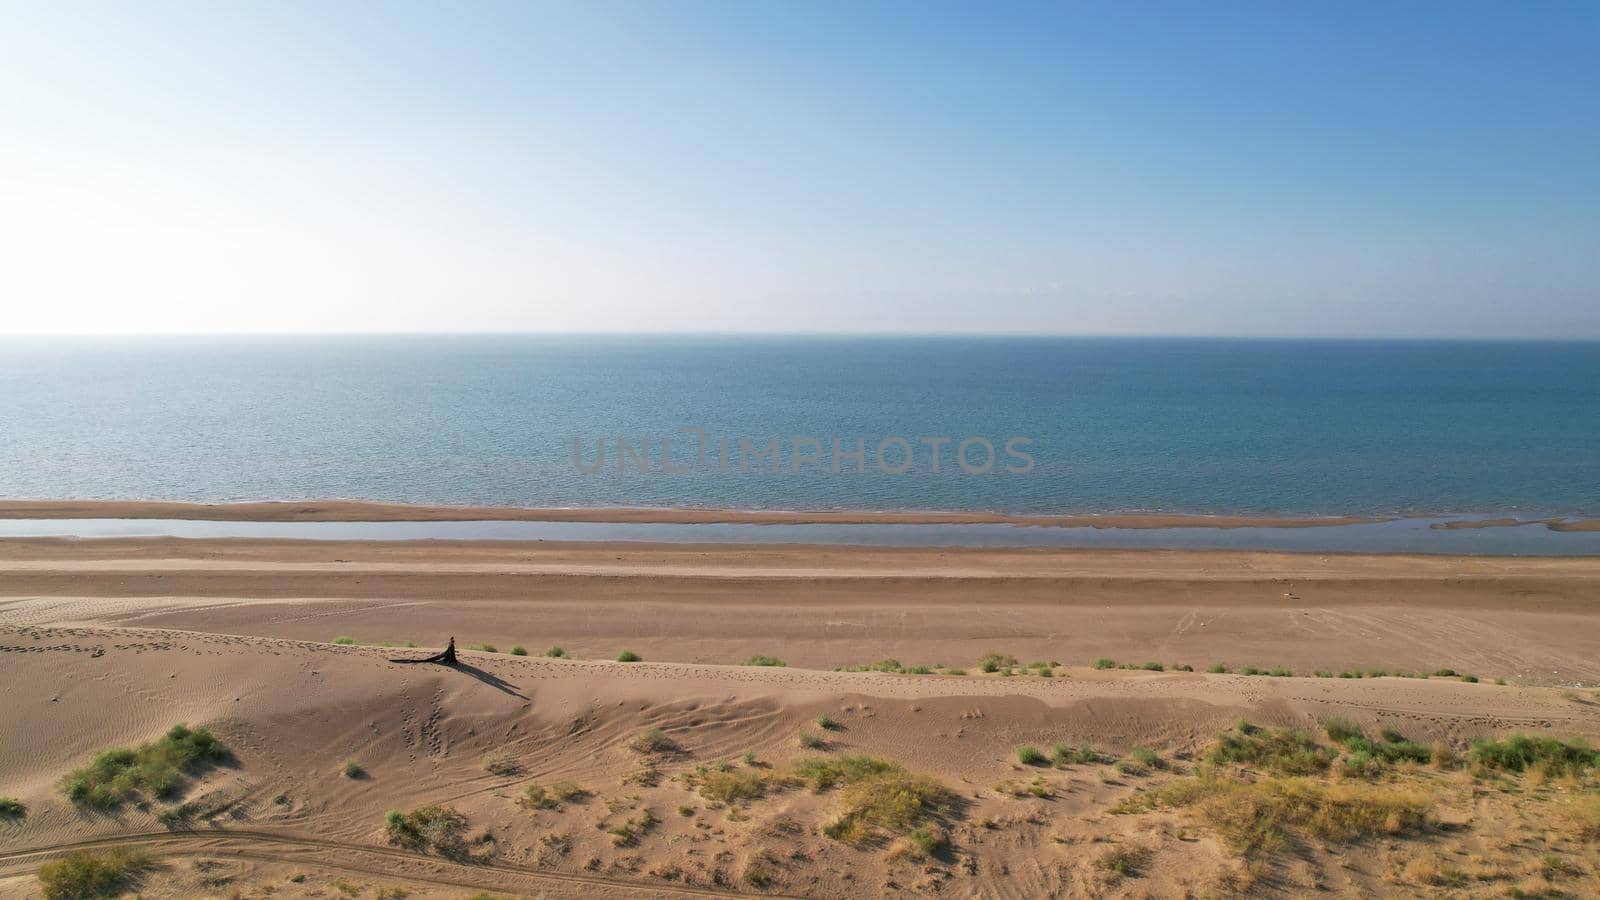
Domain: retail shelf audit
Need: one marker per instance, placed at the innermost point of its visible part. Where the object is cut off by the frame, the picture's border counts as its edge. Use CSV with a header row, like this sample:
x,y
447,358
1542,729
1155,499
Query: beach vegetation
x,y
1123,861
1083,754
85,874
1521,752
436,828
994,661
1264,816
502,763
158,768
628,832
1284,751
875,795
540,796
652,740
921,843
735,784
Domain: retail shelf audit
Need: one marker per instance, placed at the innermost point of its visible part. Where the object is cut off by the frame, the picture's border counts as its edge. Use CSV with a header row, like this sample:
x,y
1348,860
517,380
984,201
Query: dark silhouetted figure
x,y
447,658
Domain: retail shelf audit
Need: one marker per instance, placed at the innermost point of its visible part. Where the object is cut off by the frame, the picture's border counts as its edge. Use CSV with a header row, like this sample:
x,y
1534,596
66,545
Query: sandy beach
x,y
109,643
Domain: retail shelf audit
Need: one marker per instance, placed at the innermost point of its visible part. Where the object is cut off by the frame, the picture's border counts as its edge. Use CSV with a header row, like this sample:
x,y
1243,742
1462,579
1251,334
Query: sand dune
x,y
109,643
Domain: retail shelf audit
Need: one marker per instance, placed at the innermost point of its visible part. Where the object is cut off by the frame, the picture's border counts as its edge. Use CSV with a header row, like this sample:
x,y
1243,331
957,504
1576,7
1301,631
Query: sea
x,y
1020,424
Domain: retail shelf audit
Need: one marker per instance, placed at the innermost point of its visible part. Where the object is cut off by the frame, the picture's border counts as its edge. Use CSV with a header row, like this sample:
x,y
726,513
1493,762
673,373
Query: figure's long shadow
x,y
489,678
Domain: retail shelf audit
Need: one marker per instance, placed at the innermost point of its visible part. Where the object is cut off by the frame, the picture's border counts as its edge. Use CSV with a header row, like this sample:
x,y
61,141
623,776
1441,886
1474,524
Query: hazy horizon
x,y
1357,171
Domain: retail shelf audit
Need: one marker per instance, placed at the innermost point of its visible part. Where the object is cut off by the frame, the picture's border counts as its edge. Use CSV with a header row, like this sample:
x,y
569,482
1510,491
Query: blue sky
x,y
1370,169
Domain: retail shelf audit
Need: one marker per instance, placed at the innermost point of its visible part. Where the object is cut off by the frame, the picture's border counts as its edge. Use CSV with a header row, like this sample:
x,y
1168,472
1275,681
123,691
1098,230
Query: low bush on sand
x,y
552,797
628,656
12,808
519,650
502,763
994,662
921,843
556,653
1032,756
486,648
1081,755
158,768
346,641
1521,752
875,795
652,740
354,770
435,828
85,874
735,784
1263,816
1282,751
761,659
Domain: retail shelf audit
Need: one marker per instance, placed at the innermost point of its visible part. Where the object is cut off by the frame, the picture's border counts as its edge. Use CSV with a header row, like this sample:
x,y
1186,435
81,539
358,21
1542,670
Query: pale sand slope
x,y
1529,620
293,712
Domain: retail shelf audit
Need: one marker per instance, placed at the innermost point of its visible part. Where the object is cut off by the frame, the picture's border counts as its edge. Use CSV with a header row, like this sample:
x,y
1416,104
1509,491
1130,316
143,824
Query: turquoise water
x,y
1212,426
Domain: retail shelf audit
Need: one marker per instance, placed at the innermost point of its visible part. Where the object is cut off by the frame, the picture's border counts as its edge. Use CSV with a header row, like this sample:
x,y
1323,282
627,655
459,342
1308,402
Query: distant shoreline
x,y
373,511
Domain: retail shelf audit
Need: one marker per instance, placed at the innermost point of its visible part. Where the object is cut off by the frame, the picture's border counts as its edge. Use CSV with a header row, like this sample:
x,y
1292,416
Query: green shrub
x,y
556,653
486,648
875,795
519,650
85,874
1444,673
1251,670
1032,756
1470,679
1281,672
627,656
1153,667
1217,669
1340,730
1183,668
827,722
1520,752
436,828
1146,757
812,741
652,740
994,662
158,767
1391,735
761,659
353,769
344,640
738,784
1105,663
12,808
1256,817
1285,751
1083,754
